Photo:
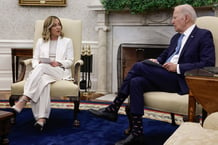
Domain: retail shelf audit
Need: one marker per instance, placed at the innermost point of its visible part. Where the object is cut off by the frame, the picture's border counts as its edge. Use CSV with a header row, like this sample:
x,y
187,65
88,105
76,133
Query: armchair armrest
x,y
211,121
24,64
77,67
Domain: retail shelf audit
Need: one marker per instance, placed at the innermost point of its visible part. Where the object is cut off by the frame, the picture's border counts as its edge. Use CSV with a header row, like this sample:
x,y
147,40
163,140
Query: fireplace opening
x,y
129,53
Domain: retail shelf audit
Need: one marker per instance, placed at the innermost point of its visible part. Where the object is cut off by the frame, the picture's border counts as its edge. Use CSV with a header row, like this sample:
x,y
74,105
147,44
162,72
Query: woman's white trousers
x,y
37,88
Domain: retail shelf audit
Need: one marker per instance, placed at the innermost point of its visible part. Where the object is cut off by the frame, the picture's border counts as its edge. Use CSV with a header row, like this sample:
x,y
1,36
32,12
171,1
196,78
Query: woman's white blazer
x,y
64,54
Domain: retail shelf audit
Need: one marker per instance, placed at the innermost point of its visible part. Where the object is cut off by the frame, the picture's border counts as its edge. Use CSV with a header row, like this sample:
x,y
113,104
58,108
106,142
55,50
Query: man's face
x,y
178,21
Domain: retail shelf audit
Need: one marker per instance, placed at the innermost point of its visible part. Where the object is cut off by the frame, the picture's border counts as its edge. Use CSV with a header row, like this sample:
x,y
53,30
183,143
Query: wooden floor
x,y
4,95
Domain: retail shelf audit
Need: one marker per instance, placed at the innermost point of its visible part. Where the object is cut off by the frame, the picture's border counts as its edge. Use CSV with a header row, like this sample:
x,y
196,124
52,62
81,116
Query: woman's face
x,y
55,29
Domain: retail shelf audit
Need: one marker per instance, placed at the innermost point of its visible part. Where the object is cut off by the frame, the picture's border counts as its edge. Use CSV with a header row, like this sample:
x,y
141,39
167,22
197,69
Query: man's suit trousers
x,y
143,78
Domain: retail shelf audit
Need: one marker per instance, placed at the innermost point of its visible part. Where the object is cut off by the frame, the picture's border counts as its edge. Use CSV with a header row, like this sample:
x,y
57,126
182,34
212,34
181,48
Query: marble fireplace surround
x,y
115,28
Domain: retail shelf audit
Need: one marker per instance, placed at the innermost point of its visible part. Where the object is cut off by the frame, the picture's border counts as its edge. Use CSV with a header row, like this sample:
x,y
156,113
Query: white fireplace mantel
x,y
101,28
118,27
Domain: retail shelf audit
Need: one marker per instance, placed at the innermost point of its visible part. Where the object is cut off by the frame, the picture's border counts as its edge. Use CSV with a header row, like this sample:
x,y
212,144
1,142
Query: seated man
x,y
190,48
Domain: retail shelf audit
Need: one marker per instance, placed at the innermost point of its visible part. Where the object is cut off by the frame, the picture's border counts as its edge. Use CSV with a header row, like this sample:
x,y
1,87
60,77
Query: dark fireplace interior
x,y
129,53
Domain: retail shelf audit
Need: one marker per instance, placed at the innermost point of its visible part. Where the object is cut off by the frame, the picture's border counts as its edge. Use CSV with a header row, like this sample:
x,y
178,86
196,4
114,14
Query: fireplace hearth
x,y
130,53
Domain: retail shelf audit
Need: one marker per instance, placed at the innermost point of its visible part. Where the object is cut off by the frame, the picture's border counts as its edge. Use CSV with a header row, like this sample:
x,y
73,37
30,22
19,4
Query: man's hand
x,y
154,60
170,66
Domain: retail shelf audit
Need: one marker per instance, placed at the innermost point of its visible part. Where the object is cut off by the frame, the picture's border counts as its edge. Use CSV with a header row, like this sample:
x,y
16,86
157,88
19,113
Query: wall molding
x,y
5,58
16,43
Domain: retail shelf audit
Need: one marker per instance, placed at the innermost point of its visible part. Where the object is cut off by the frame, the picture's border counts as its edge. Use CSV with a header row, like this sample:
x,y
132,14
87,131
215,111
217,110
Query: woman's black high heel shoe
x,y
39,126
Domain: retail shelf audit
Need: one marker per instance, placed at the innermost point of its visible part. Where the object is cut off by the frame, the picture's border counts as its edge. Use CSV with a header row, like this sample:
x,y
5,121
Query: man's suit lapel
x,y
173,45
189,40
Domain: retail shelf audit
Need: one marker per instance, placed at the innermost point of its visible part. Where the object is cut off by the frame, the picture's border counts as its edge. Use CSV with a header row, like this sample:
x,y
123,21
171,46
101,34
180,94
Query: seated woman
x,y
52,60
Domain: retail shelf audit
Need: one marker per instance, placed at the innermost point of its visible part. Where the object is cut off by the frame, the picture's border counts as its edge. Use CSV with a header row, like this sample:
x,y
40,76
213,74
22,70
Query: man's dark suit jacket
x,y
198,52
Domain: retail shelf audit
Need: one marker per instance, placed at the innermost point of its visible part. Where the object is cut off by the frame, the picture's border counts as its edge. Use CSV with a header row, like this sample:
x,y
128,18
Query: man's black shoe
x,y
103,113
132,140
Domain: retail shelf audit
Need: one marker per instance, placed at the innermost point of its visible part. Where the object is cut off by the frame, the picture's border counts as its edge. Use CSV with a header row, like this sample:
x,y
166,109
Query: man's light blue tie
x,y
179,43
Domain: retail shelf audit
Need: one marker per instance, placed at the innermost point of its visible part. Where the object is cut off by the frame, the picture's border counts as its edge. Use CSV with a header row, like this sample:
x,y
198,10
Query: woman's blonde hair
x,y
48,23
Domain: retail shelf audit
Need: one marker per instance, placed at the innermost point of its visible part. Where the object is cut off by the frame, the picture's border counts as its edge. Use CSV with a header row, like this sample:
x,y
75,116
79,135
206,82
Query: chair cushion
x,y
58,89
169,102
190,133
211,122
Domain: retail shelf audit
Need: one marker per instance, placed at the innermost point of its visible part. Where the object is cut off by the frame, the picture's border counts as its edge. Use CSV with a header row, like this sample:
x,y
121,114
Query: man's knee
x,y
137,81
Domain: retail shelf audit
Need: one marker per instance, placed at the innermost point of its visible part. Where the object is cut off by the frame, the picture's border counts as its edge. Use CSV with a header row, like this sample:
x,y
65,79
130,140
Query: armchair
x,y
173,102
62,88
196,134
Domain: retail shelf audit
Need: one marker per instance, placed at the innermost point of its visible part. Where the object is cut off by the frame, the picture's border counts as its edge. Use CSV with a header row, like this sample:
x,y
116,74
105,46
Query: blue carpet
x,y
93,131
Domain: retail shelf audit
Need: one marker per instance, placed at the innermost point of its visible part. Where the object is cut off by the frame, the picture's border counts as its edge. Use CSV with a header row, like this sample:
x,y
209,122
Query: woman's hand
x,y
55,63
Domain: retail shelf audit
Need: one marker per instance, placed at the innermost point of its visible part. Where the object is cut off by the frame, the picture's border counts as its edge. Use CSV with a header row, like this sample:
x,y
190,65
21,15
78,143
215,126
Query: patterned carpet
x,y
85,105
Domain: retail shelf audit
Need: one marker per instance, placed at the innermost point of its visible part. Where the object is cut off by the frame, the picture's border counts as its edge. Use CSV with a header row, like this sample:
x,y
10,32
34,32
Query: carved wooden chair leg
x,y
12,100
204,115
129,129
76,122
5,126
173,118
4,140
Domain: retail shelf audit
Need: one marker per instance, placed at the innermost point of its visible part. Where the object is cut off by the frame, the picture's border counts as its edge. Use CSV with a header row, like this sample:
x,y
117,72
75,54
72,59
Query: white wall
x,y
6,67
17,22
17,29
